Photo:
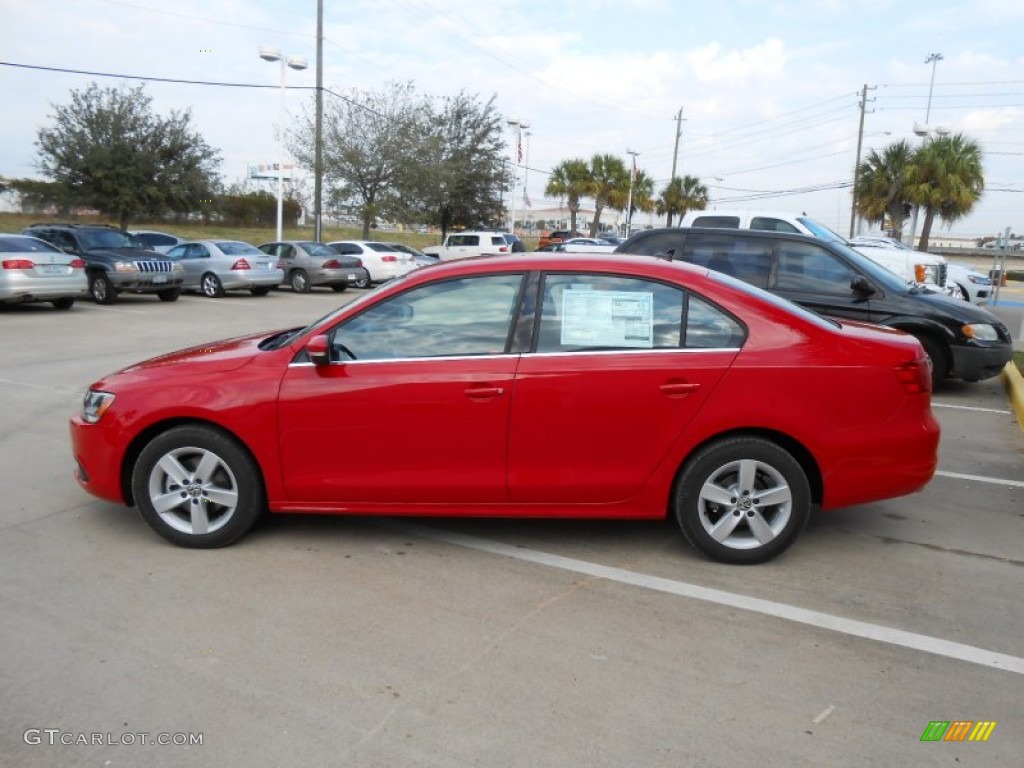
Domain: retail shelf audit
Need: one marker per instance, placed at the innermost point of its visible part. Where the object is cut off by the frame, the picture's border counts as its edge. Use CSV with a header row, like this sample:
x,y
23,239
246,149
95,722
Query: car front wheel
x,y
102,290
742,500
197,487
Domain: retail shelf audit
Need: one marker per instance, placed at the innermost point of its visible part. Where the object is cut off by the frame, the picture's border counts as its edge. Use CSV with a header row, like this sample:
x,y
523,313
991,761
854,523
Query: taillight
x,y
332,264
915,376
18,264
241,264
389,258
77,264
502,249
358,261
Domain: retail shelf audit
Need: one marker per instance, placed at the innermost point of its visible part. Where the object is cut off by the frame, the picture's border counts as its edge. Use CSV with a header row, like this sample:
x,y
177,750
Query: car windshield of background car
x,y
26,245
236,248
318,250
820,230
106,238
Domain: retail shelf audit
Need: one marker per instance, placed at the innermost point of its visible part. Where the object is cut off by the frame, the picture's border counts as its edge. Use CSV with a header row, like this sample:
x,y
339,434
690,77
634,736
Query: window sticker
x,y
608,319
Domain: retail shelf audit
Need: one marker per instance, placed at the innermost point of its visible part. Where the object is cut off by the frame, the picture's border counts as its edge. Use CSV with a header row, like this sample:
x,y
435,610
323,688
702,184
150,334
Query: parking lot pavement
x,y
354,641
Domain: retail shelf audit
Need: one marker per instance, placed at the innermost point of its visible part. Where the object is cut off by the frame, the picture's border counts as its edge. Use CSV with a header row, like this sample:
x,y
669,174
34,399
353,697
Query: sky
x,y
769,91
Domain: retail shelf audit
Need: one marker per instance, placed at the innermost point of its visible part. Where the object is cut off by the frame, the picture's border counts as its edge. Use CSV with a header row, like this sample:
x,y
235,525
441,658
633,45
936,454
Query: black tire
x,y
937,354
234,481
102,290
260,290
710,499
339,288
64,302
362,283
964,293
211,286
171,294
299,281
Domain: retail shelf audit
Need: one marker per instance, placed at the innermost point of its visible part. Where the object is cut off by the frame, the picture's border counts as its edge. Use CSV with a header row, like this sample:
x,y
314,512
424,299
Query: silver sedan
x,y
307,264
33,270
215,266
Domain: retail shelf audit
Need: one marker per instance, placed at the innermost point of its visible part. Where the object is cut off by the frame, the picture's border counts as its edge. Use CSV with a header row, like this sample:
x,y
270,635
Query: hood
x,y
129,254
215,357
958,309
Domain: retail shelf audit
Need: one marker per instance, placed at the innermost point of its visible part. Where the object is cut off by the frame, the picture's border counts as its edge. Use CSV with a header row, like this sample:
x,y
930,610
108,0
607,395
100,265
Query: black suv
x,y
962,340
114,260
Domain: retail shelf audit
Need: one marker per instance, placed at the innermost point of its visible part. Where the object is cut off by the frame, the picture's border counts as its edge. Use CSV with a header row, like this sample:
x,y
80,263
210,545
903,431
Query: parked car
x,y
419,258
499,375
586,245
962,341
32,270
912,266
972,285
460,245
114,261
515,243
382,260
557,236
307,264
161,242
216,266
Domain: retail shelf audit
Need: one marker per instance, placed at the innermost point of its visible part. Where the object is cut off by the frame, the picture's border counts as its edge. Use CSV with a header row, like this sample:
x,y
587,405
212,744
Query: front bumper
x,y
974,363
145,282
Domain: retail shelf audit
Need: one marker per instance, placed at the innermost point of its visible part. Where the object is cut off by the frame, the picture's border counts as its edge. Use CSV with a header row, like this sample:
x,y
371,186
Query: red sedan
x,y
589,386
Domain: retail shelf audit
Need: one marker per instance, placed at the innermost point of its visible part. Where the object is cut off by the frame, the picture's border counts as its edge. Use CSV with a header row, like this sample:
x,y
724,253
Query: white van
x,y
461,245
912,266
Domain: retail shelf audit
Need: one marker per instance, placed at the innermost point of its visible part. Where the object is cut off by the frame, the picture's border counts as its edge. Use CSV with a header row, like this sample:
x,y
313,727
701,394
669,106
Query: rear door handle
x,y
484,392
679,388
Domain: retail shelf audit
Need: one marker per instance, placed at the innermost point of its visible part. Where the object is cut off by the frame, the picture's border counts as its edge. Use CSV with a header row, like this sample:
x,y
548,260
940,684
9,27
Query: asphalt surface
x,y
384,642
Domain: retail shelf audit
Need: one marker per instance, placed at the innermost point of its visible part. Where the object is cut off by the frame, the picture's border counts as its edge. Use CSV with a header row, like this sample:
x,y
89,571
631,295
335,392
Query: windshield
x,y
13,244
820,230
107,238
318,249
236,248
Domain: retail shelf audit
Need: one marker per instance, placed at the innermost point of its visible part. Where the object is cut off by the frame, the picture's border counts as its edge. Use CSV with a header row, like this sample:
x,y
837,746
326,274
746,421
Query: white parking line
x,y
981,479
878,632
968,408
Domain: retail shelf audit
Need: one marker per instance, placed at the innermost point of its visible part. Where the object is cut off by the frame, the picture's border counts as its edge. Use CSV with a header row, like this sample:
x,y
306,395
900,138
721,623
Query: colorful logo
x,y
958,730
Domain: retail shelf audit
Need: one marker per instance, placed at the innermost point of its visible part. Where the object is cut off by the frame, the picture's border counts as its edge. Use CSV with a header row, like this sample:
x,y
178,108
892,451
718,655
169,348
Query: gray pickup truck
x,y
115,262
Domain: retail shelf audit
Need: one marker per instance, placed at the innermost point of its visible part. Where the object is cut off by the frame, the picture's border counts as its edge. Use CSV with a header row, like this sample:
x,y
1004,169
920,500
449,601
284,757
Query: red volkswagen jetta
x,y
597,386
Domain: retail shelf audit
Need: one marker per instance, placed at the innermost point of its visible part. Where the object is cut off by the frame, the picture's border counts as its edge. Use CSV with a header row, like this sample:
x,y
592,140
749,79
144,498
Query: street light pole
x,y
629,200
271,53
925,131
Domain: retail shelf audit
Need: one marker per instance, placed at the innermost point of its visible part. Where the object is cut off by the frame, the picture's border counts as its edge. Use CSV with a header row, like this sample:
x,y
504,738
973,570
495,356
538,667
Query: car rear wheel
x,y
260,290
197,487
171,294
64,302
211,286
363,282
299,281
102,290
742,500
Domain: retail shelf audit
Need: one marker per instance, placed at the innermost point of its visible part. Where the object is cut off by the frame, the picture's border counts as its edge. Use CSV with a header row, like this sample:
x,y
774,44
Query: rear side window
x,y
770,224
721,222
464,240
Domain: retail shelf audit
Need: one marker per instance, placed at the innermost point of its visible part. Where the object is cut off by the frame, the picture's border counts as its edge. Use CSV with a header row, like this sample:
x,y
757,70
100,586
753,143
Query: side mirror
x,y
318,350
862,286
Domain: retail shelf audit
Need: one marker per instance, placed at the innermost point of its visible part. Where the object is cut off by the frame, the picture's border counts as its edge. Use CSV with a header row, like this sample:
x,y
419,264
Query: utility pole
x,y
856,165
318,140
675,152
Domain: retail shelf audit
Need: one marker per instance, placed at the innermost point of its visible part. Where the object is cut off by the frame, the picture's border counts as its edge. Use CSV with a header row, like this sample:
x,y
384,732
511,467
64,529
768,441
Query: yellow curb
x,y
1014,383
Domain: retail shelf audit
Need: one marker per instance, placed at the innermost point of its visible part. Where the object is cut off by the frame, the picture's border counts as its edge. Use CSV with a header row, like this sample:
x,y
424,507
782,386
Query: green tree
x,y
570,181
370,141
609,186
643,195
680,195
112,152
946,178
881,193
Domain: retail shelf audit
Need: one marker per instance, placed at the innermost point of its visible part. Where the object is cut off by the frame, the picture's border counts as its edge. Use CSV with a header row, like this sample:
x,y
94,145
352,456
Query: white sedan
x,y
33,270
382,260
972,285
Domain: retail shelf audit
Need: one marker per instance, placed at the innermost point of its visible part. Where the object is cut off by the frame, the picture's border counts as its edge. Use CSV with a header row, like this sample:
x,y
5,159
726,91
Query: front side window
x,y
769,224
468,316
808,268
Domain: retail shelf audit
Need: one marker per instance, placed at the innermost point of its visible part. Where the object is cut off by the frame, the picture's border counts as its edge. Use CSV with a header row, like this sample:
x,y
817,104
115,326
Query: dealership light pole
x,y
271,53
629,202
518,126
925,132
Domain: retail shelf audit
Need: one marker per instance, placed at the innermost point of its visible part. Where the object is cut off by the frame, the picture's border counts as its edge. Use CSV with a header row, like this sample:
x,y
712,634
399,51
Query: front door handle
x,y
679,388
481,393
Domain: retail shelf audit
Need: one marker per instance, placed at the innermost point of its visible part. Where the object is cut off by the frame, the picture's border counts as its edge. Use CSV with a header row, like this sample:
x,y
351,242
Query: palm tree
x,y
945,177
609,186
681,195
880,191
570,180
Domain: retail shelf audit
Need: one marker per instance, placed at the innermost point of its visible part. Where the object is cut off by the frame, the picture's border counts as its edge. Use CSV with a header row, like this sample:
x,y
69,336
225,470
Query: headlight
x,y
979,280
95,404
178,267
980,332
125,266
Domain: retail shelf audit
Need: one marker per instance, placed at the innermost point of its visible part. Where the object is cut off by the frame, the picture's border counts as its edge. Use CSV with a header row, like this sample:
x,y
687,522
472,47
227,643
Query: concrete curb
x,y
1014,383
